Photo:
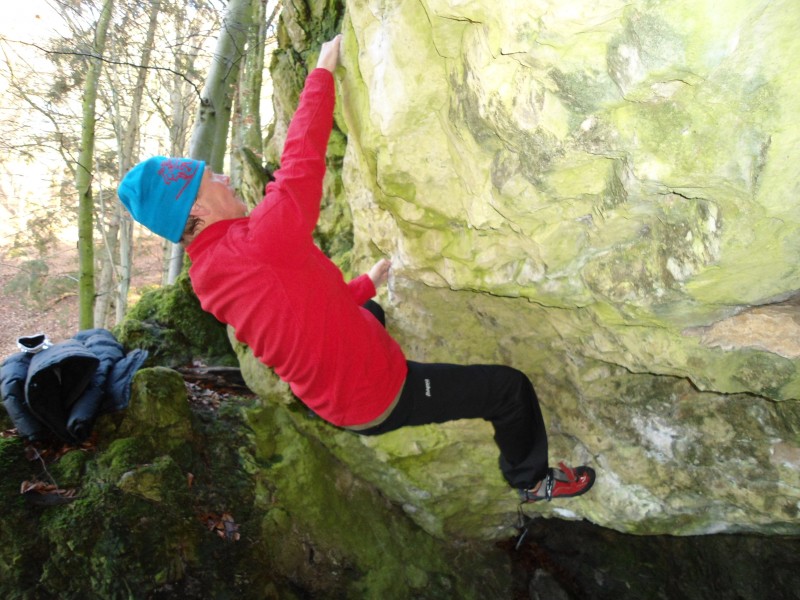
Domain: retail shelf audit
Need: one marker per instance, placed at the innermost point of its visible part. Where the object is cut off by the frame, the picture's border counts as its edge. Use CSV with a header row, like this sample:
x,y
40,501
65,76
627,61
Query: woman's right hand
x,y
329,54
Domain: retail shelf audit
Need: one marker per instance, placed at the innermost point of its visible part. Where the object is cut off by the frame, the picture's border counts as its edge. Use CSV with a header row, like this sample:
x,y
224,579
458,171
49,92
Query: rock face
x,y
602,195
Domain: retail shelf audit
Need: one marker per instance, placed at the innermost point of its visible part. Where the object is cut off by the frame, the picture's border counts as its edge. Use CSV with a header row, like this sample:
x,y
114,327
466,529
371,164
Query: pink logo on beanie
x,y
176,169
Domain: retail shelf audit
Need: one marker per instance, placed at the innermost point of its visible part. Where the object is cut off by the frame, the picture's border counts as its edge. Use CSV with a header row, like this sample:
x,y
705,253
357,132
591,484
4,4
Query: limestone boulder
x,y
602,195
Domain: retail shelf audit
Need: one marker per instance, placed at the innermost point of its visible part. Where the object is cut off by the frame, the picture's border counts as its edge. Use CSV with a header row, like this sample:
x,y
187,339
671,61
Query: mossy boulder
x,y
162,415
138,525
169,323
183,501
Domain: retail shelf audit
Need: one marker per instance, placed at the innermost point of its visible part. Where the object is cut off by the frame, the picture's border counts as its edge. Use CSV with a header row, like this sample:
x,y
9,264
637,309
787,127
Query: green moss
x,y
22,548
122,455
317,506
169,323
10,455
69,469
334,232
138,528
160,481
113,545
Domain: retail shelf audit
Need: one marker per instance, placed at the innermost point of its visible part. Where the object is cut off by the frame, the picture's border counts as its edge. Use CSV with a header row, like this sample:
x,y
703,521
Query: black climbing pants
x,y
504,396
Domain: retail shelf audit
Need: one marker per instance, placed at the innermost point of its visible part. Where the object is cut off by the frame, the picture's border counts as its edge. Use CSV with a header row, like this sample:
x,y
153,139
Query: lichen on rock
x,y
597,194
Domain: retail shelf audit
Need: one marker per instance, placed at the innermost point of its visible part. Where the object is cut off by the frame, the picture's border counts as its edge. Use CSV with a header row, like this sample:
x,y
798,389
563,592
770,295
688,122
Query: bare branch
x,y
110,62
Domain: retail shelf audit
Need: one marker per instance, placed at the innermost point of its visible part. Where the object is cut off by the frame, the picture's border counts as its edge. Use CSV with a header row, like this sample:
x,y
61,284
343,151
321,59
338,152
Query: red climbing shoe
x,y
562,482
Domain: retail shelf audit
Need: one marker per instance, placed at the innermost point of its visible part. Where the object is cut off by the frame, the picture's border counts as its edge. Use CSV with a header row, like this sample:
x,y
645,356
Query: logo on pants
x,y
428,388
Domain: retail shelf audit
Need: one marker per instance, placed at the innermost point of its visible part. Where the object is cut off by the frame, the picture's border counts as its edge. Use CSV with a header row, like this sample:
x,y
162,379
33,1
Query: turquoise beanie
x,y
160,191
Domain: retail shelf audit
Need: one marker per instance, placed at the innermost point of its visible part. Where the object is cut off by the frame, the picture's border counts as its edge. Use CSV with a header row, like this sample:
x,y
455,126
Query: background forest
x,y
89,88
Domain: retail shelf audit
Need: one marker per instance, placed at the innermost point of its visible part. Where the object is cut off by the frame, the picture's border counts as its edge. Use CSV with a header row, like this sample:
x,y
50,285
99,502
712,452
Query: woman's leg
x,y
436,393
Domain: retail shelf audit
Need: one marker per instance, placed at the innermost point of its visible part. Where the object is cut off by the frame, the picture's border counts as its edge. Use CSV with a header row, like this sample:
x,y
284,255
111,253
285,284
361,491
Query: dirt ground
x,y
56,312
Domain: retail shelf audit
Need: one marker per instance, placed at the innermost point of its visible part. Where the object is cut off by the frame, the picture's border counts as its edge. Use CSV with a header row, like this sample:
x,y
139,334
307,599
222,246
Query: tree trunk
x,y
127,159
115,277
248,175
210,136
105,282
83,177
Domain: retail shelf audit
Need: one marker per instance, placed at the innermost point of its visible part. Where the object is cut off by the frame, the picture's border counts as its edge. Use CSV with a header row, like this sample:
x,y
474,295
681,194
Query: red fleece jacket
x,y
286,300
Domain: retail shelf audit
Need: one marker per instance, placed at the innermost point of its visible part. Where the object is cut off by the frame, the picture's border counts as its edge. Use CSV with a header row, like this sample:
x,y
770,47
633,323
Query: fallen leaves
x,y
203,397
51,451
223,525
208,386
46,494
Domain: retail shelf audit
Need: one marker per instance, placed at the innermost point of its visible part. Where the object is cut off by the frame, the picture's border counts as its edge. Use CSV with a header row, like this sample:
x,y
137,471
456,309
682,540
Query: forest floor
x,y
40,295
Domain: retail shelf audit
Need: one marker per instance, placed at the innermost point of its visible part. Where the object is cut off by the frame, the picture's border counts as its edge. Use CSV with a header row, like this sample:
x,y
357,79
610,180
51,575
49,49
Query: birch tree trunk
x,y
114,281
83,177
129,156
210,136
